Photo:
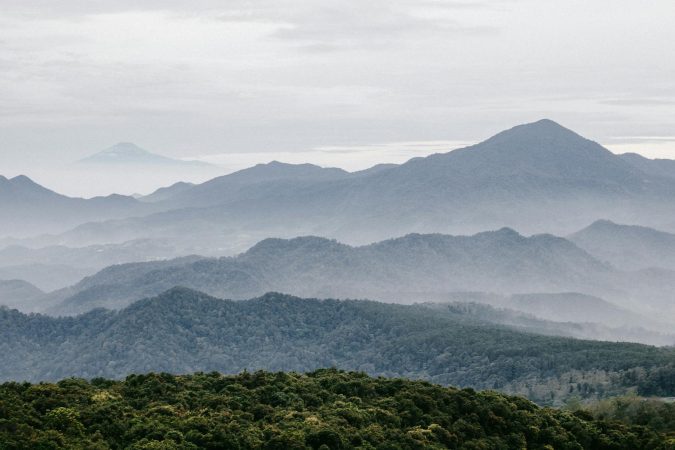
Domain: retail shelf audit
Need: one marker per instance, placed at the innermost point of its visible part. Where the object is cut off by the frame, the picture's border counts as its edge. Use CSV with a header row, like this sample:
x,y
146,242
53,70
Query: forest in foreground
x,y
324,409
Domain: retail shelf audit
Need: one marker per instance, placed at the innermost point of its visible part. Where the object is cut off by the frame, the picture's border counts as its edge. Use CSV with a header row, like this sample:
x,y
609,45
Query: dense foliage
x,y
184,331
325,409
632,410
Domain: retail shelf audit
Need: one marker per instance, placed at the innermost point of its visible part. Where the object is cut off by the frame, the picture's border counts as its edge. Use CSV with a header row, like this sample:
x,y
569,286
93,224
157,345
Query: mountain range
x,y
20,294
411,268
57,266
183,331
28,208
403,268
538,177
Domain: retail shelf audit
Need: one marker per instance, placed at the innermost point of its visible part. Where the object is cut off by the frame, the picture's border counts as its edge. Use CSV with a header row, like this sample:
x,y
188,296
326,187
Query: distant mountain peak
x,y
23,184
603,223
24,181
128,153
544,130
301,242
125,148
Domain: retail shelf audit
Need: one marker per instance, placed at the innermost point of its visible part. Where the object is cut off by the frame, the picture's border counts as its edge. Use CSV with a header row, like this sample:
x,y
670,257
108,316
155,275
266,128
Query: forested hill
x,y
183,331
325,409
497,261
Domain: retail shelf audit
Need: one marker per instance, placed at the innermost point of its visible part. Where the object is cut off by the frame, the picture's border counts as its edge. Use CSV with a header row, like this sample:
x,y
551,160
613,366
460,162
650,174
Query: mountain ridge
x,y
185,331
631,247
538,177
314,266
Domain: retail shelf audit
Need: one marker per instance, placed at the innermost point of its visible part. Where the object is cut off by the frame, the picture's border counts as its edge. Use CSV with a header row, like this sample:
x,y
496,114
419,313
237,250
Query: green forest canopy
x,y
325,409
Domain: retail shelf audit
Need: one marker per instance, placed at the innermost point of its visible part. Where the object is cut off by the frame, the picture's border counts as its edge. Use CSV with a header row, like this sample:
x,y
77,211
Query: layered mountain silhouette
x,y
412,268
29,208
185,331
627,246
538,177
58,266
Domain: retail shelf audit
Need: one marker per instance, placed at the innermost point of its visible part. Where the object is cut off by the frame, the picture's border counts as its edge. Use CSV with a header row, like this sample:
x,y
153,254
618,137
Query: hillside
x,y
627,246
19,294
573,307
29,208
185,331
402,269
656,167
57,266
325,409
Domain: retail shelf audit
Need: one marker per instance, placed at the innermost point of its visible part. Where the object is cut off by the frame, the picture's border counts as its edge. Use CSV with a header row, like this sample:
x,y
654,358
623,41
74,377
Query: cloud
x,y
211,77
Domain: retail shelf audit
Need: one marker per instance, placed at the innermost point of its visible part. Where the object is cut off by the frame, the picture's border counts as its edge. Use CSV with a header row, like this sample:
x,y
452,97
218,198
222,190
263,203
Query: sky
x,y
344,83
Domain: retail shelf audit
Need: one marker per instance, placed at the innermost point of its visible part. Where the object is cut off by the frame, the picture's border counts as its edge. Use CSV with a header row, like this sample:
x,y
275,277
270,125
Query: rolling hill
x,y
19,294
404,269
185,331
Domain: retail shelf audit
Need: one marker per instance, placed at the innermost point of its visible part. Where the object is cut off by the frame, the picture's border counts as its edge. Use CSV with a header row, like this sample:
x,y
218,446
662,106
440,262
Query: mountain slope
x,y
259,180
404,268
166,193
627,246
186,331
52,267
656,167
19,294
28,208
529,319
573,307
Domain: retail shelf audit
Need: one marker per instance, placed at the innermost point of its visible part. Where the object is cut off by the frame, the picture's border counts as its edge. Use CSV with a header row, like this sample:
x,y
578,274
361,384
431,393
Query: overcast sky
x,y
338,82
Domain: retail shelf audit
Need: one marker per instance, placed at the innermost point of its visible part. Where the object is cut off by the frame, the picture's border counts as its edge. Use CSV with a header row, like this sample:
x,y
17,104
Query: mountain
x,y
325,409
627,246
47,277
29,208
19,294
656,167
58,266
573,307
166,192
185,331
404,269
260,180
538,177
523,317
129,154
